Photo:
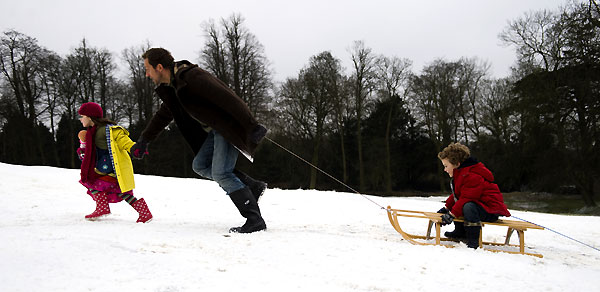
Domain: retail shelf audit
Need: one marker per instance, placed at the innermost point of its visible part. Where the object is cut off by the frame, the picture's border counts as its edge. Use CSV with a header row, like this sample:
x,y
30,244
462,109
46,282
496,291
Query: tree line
x,y
378,127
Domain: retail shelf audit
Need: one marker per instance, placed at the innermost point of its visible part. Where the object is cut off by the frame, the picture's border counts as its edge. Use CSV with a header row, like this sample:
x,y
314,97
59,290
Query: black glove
x,y
443,210
139,149
447,219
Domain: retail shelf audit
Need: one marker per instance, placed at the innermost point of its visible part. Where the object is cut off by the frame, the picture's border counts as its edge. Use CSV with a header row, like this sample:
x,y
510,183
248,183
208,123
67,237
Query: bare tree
x,y
214,55
593,12
81,61
123,102
363,75
69,97
51,67
143,89
92,69
104,67
343,111
309,101
537,39
560,93
472,75
118,103
237,58
392,75
496,116
22,65
436,95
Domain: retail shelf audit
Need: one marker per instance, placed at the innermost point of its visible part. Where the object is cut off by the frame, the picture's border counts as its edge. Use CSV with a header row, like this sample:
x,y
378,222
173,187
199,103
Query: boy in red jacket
x,y
474,196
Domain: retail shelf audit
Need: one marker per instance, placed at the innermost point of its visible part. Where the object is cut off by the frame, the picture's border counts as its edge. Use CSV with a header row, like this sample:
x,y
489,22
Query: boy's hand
x,y
447,219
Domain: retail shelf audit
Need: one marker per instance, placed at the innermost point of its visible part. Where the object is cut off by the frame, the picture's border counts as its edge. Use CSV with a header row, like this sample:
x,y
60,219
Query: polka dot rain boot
x,y
102,208
141,207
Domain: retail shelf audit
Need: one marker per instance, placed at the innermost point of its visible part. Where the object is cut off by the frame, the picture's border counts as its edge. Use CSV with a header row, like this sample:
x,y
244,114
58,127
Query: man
x,y
215,122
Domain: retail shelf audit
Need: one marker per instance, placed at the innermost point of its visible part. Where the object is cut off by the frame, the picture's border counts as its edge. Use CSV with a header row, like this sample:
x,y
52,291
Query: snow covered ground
x,y
316,241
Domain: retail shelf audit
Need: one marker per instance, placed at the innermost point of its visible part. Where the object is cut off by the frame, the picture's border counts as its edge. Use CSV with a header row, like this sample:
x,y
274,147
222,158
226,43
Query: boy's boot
x,y
256,187
458,233
102,208
472,231
248,207
141,207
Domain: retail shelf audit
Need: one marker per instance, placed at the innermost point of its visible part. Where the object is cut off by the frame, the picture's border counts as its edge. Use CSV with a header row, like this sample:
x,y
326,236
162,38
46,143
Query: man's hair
x,y
161,56
455,153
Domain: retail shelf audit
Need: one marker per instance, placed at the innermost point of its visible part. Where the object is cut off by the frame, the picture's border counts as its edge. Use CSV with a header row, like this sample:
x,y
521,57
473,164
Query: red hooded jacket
x,y
475,183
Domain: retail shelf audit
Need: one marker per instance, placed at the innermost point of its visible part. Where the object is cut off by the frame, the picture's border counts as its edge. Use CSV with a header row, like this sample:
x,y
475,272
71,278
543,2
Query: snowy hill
x,y
316,241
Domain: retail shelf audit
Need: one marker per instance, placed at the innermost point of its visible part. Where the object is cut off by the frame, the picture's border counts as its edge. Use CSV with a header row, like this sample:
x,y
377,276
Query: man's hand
x,y
447,219
443,210
139,149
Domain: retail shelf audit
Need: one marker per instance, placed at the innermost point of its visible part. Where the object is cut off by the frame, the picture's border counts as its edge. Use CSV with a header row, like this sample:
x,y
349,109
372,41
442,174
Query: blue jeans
x,y
216,160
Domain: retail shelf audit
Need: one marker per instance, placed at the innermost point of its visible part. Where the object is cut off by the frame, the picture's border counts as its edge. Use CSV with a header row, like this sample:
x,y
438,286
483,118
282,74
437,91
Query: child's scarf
x,y
88,174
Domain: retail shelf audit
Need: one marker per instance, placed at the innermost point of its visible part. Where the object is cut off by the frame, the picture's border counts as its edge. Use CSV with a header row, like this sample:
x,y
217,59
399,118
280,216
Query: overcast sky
x,y
291,31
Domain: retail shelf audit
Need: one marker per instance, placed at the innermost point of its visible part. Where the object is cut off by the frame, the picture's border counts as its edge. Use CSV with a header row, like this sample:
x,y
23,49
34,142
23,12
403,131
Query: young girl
x,y
106,169
474,194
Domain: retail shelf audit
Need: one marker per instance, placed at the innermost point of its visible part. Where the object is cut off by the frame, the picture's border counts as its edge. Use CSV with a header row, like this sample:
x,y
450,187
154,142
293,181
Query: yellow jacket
x,y
119,145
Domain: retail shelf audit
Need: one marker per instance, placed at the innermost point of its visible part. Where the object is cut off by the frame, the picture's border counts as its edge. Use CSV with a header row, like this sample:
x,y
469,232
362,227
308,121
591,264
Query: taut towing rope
x,y
563,235
383,208
325,173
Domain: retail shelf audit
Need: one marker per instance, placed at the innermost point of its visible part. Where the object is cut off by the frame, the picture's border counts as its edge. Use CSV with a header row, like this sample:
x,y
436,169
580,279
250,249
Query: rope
x,y
563,235
325,173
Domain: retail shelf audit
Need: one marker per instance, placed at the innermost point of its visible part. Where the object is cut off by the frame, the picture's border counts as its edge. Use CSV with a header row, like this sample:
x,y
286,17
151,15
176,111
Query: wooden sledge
x,y
436,219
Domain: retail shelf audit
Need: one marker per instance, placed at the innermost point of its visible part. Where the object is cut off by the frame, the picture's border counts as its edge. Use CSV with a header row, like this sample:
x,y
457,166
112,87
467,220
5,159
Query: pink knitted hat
x,y
90,109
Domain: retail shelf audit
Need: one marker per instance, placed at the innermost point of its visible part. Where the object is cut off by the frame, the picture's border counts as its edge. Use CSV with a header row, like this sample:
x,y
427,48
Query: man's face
x,y
156,74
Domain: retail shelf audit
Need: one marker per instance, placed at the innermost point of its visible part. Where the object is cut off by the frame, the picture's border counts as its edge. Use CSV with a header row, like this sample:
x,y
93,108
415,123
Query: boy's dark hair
x,y
161,56
455,153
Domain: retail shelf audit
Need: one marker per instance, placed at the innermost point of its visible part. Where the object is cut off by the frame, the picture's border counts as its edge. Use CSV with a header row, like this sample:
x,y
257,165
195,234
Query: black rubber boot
x,y
472,232
246,204
458,233
256,187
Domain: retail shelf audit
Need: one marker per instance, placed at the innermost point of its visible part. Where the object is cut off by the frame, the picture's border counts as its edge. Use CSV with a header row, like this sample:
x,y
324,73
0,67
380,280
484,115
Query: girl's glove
x,y
81,153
